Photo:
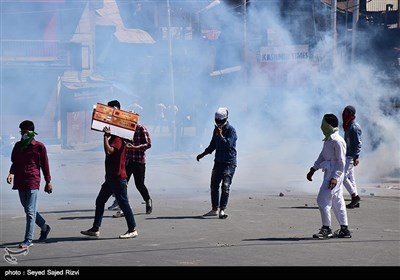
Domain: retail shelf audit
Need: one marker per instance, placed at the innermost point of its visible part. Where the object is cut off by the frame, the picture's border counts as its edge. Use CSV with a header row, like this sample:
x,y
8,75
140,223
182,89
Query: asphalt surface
x,y
268,225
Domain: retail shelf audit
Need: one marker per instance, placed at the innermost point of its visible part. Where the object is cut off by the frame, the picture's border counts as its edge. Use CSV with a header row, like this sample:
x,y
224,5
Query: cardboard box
x,y
122,123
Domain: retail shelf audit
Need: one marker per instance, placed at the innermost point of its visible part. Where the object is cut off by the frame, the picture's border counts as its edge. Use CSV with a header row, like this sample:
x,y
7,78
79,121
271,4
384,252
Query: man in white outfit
x,y
331,160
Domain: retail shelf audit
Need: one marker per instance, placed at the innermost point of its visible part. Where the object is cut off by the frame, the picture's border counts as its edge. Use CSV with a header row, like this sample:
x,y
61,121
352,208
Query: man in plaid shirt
x,y
136,164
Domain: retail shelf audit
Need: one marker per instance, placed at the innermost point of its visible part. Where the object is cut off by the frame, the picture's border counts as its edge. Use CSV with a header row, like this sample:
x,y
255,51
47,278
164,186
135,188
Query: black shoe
x,y
222,214
323,233
349,206
44,234
355,202
342,233
149,206
91,232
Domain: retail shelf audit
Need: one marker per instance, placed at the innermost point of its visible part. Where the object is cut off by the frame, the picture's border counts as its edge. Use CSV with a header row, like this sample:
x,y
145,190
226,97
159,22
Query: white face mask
x,y
24,136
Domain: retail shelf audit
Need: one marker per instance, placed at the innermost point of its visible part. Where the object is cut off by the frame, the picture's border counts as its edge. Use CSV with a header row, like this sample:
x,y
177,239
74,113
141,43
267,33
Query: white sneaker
x,y
128,234
114,206
119,214
211,213
222,214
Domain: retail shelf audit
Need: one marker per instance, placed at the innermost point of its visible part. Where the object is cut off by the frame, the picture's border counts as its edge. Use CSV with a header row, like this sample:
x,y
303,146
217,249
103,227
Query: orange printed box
x,y
122,123
106,118
129,116
104,109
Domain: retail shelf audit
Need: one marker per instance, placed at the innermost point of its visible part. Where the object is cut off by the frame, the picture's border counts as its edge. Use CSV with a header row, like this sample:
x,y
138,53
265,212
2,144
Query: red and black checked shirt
x,y
141,137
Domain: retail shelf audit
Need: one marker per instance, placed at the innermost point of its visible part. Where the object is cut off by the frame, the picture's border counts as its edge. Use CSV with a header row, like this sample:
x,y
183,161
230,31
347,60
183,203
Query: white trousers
x,y
349,181
328,199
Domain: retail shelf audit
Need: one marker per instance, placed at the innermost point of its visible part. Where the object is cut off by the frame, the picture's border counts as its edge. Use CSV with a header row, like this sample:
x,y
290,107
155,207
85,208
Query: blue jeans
x,y
119,189
29,202
221,173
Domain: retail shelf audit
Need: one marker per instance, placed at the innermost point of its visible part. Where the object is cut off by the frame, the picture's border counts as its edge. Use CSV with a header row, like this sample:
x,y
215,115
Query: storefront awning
x,y
133,36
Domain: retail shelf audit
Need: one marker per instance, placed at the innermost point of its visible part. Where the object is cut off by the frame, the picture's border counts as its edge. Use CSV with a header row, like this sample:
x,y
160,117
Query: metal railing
x,y
34,51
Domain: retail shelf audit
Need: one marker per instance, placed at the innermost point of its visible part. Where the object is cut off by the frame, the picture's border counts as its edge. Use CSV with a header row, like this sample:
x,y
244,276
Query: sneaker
x,y
211,213
355,202
323,233
44,234
91,232
149,206
222,214
349,206
26,244
342,233
119,214
128,234
114,206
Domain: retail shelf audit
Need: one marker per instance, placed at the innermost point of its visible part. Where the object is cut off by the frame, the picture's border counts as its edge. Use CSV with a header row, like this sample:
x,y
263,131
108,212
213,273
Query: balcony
x,y
35,53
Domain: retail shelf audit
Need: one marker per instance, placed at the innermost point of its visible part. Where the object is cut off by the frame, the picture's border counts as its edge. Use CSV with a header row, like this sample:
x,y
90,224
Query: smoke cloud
x,y
276,109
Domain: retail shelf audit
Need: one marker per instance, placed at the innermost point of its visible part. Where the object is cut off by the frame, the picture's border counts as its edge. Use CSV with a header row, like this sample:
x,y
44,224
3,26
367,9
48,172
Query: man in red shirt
x,y
28,157
136,165
115,183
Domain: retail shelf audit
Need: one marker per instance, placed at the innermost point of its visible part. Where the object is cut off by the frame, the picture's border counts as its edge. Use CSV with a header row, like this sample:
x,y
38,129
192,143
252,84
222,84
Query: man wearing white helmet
x,y
223,141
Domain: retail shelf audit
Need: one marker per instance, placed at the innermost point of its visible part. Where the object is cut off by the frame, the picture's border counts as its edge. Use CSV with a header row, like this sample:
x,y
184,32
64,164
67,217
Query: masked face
x,y
24,134
220,122
346,114
221,117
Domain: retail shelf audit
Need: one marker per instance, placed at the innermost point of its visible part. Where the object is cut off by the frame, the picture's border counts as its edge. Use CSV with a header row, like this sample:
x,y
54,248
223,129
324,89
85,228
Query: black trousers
x,y
138,170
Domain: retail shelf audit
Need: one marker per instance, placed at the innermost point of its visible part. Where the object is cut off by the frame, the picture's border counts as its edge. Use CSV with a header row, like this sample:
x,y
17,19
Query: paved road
x,y
269,225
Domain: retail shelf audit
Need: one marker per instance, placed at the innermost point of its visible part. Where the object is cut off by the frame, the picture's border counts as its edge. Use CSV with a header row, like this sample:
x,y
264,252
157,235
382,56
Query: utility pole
x,y
244,42
356,15
334,32
398,14
171,75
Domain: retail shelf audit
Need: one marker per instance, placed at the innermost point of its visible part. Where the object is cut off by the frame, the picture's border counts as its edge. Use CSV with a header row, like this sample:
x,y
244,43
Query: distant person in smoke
x,y
352,136
135,107
331,160
223,142
136,165
160,118
115,182
170,115
28,157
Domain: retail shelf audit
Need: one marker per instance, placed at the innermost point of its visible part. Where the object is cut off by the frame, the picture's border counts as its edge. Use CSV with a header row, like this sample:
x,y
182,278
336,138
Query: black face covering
x,y
220,122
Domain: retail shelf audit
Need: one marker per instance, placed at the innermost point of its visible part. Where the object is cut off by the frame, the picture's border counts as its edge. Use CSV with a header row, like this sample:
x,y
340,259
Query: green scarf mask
x,y
27,139
327,129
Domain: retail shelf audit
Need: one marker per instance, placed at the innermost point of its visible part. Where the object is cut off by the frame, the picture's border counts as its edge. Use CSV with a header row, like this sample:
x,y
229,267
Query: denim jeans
x,y
119,189
29,202
222,173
